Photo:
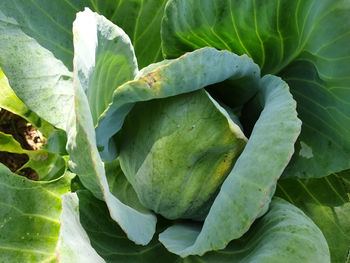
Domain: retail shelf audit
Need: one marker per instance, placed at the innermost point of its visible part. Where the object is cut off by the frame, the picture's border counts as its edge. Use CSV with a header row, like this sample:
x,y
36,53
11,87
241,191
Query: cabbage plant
x,y
177,130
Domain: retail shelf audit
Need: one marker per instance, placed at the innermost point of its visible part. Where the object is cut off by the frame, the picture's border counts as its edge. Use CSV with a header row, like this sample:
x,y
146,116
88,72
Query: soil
x,y
26,135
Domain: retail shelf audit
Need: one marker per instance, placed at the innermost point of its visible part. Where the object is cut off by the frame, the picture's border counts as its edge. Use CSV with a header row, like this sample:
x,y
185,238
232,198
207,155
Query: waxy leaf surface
x,y
85,159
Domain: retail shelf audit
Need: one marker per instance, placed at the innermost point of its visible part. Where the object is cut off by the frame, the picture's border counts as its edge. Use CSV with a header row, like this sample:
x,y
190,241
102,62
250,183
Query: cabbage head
x,y
177,149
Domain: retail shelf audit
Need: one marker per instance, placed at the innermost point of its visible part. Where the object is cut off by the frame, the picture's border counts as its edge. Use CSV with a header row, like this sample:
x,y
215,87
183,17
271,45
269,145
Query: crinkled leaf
x,y
247,191
29,213
191,72
74,244
48,165
104,59
327,202
305,42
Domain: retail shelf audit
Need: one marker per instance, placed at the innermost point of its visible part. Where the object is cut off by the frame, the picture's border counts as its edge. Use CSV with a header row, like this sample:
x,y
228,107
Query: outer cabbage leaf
x,y
108,238
247,191
327,202
271,32
74,244
85,161
81,146
104,59
305,42
39,79
39,65
29,213
283,234
37,26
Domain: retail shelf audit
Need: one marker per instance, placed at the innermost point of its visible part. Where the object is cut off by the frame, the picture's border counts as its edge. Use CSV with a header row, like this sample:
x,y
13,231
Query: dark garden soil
x,y
26,135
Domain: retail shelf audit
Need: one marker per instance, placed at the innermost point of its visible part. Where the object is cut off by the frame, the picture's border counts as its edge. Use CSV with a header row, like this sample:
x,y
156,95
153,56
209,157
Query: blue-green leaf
x,y
74,244
86,162
284,234
104,59
109,240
